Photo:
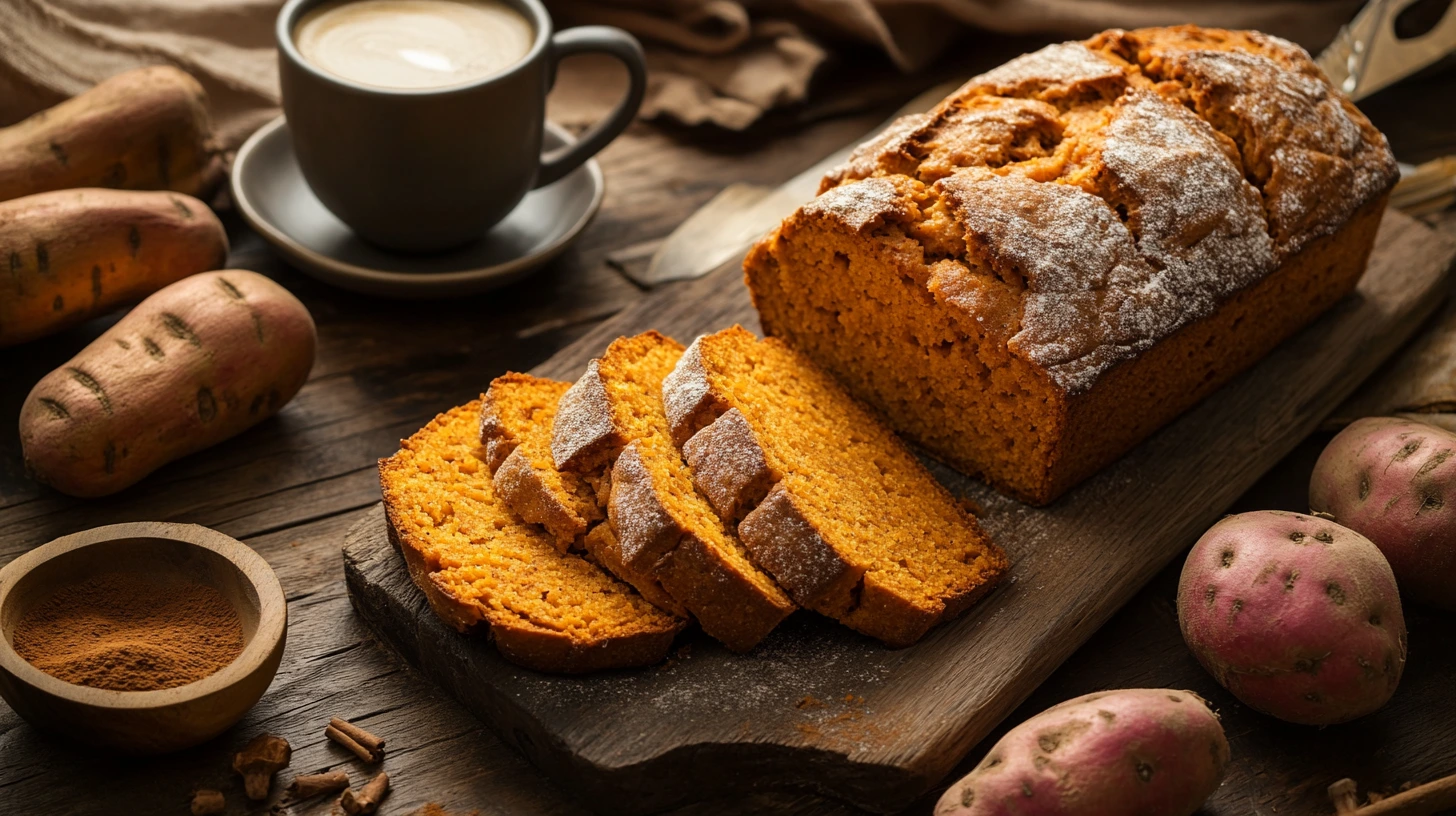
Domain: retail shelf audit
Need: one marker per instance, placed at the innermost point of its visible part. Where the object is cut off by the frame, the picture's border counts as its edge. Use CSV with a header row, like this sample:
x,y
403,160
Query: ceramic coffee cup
x,y
429,169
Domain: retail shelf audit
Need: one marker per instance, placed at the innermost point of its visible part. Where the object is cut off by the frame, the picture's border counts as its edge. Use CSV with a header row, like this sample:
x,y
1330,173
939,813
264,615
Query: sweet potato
x,y
74,254
1296,615
1112,753
146,129
196,363
1394,482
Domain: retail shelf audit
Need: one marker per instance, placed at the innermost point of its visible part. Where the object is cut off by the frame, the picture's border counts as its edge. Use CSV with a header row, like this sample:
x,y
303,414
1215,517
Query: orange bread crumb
x,y
831,502
479,565
515,427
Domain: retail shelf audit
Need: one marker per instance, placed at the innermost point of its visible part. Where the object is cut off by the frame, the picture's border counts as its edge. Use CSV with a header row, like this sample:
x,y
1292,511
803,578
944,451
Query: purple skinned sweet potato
x,y
1394,481
1297,616
1110,753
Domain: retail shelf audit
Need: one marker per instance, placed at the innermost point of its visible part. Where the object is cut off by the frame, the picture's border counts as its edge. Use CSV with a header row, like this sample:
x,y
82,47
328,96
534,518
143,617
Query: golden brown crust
x,y
525,489
987,274
728,600
584,438
789,547
516,424
530,646
738,612
729,466
601,546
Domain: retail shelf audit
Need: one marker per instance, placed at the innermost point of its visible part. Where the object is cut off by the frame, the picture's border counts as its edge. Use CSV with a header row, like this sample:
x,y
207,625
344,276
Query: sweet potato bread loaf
x,y
611,425
1075,247
831,502
480,566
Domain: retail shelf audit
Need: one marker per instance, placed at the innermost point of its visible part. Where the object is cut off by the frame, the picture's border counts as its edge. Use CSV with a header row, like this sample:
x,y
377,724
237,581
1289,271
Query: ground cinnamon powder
x,y
131,632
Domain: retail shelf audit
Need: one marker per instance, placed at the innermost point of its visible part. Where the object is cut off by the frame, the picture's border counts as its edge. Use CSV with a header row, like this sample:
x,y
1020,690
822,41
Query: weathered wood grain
x,y
820,708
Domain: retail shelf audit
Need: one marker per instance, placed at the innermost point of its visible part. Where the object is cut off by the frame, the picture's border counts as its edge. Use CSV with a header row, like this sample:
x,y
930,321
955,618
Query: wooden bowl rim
x,y
272,618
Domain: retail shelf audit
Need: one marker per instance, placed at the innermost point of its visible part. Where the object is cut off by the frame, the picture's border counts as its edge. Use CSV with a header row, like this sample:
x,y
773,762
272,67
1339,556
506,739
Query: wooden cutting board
x,y
819,708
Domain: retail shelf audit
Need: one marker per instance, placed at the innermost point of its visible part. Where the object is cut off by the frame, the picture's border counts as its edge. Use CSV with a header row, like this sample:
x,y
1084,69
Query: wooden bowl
x,y
144,722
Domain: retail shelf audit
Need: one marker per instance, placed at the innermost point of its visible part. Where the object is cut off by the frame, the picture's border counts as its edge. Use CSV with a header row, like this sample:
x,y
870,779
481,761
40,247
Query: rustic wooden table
x,y
291,487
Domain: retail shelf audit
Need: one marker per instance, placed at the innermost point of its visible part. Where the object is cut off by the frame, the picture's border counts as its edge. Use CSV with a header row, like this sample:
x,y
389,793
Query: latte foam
x,y
414,43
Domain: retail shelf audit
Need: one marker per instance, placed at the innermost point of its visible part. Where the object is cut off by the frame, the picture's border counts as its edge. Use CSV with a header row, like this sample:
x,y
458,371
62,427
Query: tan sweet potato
x,y
70,255
200,361
146,129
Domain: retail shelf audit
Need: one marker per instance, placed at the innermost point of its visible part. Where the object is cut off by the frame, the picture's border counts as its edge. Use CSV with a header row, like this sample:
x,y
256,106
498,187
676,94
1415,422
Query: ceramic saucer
x,y
275,200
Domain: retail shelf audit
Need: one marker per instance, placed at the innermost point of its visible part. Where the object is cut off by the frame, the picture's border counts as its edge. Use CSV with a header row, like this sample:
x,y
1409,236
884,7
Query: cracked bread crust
x,y
978,274
466,551
751,412
1310,151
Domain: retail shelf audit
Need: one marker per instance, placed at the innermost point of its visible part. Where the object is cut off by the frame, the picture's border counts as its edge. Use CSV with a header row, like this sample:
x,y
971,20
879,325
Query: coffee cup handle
x,y
614,42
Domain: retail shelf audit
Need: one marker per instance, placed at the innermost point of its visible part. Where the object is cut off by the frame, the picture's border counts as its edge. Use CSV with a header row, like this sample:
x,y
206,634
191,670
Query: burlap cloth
x,y
719,61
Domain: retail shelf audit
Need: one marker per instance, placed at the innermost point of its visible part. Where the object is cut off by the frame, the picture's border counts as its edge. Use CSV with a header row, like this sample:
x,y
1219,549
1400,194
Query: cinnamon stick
x,y
308,786
363,744
367,800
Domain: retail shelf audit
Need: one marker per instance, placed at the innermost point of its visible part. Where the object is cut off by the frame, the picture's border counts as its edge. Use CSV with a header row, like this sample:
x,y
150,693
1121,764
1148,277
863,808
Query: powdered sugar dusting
x,y
1321,163
1059,66
1091,299
1196,219
728,464
786,543
582,418
643,526
684,389
858,205
865,159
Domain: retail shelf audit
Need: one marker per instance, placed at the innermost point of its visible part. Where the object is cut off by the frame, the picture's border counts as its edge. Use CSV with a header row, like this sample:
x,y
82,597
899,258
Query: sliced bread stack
x,y
728,484
611,426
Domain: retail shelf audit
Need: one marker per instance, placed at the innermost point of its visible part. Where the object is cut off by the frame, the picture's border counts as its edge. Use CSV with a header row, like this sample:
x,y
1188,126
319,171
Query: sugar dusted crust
x,y
613,424
1057,219
516,422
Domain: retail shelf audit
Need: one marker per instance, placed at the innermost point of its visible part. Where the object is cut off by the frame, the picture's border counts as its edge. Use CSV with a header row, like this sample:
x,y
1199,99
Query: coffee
x,y
414,43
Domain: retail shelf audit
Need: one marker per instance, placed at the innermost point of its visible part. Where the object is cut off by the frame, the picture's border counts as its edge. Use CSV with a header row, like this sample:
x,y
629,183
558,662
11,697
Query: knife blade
x,y
1367,55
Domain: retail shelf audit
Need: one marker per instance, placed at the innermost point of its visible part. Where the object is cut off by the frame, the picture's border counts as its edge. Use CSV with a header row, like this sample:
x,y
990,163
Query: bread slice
x,y
831,502
481,566
611,423
515,427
